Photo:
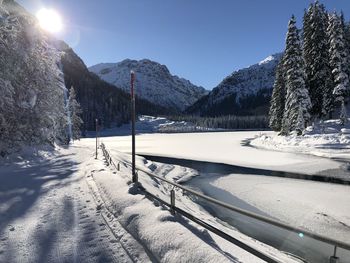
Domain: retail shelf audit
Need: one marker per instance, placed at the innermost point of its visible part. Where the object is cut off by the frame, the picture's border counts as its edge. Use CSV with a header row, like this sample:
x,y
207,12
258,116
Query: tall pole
x,y
133,113
96,124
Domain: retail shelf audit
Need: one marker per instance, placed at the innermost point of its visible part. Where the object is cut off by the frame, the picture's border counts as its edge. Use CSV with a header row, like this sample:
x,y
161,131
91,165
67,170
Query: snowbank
x,y
327,139
161,235
136,214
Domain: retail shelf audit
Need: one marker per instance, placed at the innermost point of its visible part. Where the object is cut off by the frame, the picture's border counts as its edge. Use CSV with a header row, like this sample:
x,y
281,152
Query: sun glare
x,y
49,20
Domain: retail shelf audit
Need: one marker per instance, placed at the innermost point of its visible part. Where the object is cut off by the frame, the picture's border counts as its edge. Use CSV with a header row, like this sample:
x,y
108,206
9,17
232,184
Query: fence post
x,y
334,258
172,201
96,123
133,113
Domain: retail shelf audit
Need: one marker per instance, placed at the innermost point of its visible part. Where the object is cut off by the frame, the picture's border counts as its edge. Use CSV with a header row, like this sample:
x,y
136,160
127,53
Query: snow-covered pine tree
x,y
278,99
32,80
315,49
74,112
7,116
347,45
338,62
300,124
343,114
297,98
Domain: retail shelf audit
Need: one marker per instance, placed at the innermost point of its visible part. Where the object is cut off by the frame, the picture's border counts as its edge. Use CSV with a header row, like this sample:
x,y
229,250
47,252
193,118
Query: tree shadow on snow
x,y
21,187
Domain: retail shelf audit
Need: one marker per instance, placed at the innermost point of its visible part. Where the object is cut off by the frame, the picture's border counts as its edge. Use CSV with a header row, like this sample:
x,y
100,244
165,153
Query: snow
x,y
150,124
108,183
153,82
152,225
48,214
318,207
247,81
328,139
266,60
63,205
315,206
224,147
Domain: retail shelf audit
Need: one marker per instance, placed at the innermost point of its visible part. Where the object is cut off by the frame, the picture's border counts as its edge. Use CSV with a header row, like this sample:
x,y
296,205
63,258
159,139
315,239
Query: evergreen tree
x,y
318,73
297,99
277,99
300,124
338,62
343,114
7,117
347,46
74,112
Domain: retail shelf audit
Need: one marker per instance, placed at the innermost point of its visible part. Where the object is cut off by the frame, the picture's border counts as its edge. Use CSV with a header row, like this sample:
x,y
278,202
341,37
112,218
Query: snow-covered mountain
x,y
242,92
154,82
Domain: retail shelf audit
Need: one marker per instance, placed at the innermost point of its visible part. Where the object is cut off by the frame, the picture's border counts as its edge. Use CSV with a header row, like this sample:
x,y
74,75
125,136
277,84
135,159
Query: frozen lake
x,y
224,147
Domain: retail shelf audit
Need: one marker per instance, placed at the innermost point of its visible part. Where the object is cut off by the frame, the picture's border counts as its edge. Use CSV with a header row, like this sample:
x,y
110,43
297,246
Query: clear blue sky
x,y
200,40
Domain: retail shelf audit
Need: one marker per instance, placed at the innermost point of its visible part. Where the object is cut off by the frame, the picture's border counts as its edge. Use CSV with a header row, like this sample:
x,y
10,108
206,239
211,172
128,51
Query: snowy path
x,y
48,214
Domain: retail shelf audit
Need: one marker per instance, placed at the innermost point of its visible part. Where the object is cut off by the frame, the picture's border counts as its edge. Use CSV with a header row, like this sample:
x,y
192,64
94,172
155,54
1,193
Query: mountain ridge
x,y
154,82
242,92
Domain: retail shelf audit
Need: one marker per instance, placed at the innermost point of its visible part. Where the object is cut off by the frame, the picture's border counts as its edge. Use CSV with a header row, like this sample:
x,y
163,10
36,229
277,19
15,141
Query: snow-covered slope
x,y
325,139
154,82
247,81
241,92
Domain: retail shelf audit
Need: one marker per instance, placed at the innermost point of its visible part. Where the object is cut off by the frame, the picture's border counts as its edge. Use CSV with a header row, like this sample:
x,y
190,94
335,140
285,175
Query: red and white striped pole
x,y
133,113
96,124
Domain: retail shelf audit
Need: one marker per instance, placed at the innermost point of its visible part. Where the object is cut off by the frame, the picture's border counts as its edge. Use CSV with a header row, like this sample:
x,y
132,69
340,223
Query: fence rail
x,y
330,241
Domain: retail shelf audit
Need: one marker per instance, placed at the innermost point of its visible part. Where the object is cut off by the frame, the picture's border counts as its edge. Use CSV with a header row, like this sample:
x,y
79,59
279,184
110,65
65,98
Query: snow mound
x,y
325,139
152,226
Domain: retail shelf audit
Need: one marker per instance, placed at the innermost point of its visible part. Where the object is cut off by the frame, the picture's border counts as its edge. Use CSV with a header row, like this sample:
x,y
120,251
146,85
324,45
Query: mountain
x,y
154,82
244,92
98,98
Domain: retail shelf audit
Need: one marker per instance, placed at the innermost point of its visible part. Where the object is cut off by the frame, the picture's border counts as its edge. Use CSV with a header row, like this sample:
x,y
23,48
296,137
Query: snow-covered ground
x,y
319,207
327,139
65,206
48,214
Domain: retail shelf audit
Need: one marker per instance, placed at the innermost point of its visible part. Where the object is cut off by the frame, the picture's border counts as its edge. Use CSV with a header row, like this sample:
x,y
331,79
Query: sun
x,y
49,20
